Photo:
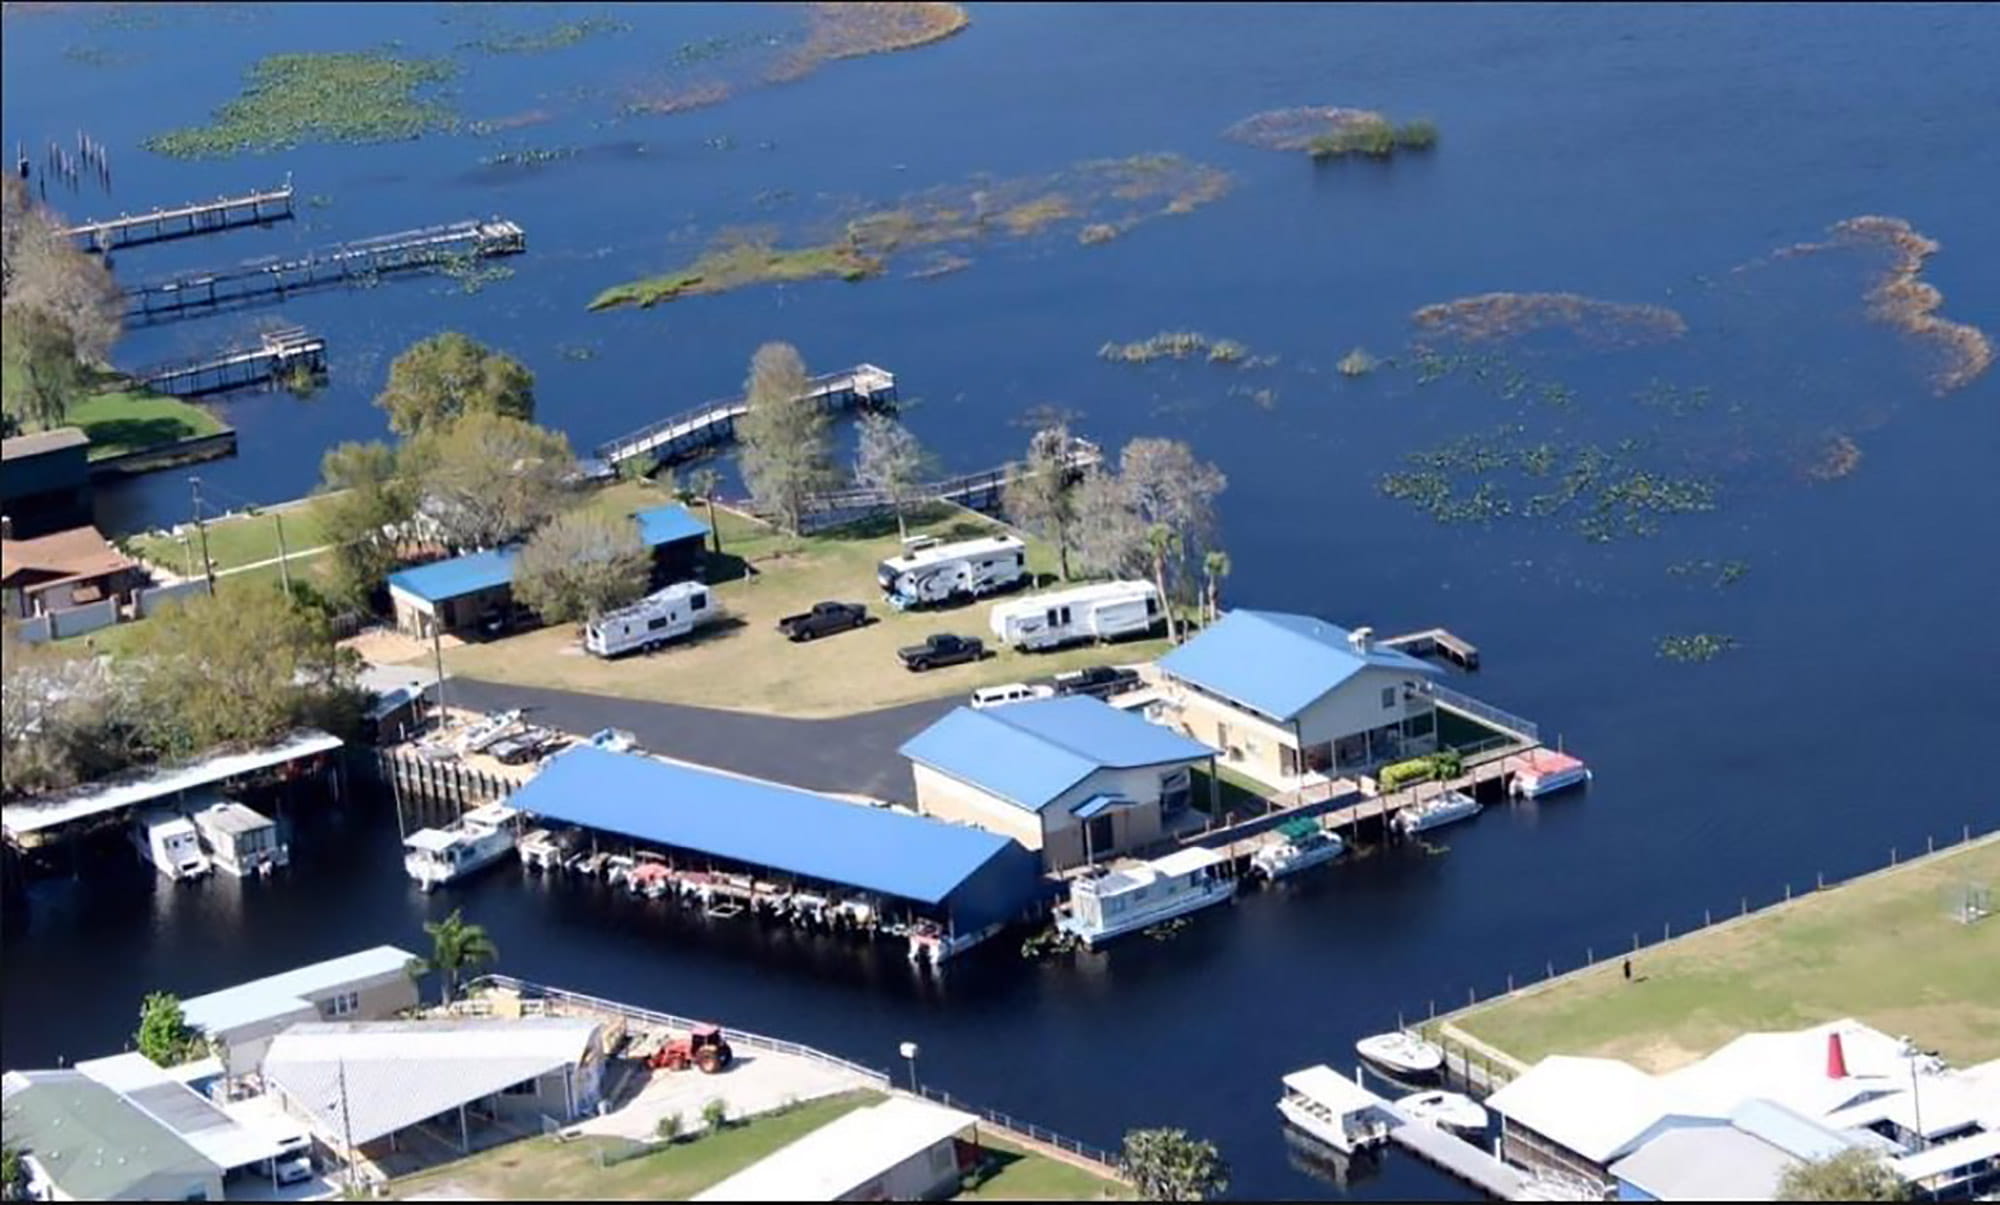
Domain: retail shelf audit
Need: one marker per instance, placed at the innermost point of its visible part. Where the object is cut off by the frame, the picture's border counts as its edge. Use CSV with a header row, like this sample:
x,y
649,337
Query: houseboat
x,y
1299,844
1110,903
240,840
1333,1109
170,842
476,840
1436,812
1540,772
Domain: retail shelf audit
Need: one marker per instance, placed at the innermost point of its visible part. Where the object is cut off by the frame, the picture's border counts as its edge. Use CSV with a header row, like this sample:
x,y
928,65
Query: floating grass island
x,y
1490,317
735,264
1176,345
295,98
1702,646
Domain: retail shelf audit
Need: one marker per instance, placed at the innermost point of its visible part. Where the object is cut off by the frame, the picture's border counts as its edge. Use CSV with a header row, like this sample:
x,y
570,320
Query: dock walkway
x,y
181,221
1436,642
1460,1158
980,491
275,354
863,386
343,263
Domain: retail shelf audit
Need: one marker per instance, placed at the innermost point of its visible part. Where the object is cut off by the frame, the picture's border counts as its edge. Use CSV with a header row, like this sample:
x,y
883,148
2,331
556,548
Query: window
x,y
343,1004
698,601
1388,697
654,625
526,1087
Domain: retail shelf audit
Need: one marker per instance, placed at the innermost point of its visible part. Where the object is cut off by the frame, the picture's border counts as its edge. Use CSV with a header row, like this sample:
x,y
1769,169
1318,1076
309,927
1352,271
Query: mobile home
x,y
1104,611
953,572
652,621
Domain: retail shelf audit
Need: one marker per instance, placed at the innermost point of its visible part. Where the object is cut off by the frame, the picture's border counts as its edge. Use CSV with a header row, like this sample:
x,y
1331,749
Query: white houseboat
x,y
1436,812
1111,903
169,841
1299,844
1337,1111
241,840
1540,772
478,839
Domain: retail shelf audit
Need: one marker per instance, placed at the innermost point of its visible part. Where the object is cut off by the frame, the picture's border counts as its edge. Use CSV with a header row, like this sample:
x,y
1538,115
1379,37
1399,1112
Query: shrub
x,y
1418,135
715,1115
669,1127
1403,773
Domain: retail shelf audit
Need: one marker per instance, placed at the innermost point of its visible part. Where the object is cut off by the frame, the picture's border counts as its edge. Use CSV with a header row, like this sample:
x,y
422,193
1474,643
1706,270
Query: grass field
x,y
123,420
744,664
244,539
1028,1176
1881,950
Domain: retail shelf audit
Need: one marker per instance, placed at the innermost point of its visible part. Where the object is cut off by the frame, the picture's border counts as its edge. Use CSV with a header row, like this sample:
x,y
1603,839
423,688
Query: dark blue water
x,y
1631,154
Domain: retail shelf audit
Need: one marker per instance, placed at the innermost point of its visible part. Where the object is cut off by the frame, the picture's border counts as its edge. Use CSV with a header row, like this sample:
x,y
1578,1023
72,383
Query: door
x,y
1099,836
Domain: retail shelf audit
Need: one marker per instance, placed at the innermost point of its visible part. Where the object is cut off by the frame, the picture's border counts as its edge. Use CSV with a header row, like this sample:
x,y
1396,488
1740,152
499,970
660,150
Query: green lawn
x,y
1882,951
543,1169
126,420
744,664
1027,1175
244,539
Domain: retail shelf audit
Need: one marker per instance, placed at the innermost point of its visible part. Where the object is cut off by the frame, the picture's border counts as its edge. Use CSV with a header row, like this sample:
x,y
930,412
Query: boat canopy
x,y
1299,830
432,840
1328,1087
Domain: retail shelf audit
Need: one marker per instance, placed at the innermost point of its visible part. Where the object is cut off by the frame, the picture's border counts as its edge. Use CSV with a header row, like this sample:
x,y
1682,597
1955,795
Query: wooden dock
x,y
1460,1159
181,221
980,491
276,354
862,387
1436,642
343,263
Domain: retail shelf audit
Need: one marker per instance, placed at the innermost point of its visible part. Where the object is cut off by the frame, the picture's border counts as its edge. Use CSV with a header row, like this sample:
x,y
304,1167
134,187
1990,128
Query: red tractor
x,y
704,1047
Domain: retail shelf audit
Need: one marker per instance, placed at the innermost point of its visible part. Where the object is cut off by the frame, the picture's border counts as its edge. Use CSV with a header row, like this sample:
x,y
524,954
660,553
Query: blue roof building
x,y
1075,778
966,879
1291,697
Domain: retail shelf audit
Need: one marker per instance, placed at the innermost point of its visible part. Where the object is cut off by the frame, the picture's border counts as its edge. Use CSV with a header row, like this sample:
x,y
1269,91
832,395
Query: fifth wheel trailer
x,y
1104,611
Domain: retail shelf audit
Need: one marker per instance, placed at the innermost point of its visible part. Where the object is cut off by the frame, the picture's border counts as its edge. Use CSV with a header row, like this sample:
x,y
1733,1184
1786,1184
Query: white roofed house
x,y
363,986
1572,1118
903,1149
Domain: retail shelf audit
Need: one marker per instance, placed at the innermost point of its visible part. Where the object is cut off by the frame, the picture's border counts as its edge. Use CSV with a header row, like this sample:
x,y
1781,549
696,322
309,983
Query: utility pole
x,y
207,567
284,558
437,655
346,1128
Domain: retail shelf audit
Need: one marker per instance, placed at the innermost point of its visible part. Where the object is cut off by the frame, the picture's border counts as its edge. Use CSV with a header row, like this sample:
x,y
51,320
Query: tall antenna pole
x,y
207,566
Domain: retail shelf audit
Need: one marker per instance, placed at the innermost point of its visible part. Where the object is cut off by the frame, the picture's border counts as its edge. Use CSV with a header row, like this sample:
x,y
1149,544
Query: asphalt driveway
x,y
855,754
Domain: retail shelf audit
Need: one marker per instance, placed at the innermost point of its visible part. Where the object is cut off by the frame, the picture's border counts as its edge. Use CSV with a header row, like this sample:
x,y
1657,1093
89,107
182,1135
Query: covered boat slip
x,y
965,879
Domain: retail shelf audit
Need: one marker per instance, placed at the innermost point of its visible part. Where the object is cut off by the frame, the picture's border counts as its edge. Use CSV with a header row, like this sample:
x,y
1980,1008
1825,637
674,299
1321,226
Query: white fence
x,y
153,598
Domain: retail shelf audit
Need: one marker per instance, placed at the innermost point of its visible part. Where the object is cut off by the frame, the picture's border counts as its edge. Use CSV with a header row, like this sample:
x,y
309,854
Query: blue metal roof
x,y
1791,1132
759,823
1277,663
1029,753
459,576
666,524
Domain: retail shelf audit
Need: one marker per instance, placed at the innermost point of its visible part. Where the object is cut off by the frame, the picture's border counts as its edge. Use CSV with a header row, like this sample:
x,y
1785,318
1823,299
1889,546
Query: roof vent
x,y
1836,1057
1362,639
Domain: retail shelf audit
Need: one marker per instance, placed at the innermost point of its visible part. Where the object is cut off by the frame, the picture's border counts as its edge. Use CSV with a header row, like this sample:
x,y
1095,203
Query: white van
x,y
1012,692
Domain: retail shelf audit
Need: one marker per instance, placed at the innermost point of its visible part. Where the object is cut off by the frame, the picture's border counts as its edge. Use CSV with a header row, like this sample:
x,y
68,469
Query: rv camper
x,y
1105,611
953,572
652,621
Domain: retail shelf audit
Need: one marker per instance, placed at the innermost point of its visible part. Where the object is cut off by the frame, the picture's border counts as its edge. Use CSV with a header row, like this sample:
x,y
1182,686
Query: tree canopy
x,y
64,718
890,459
369,502
164,1034
1041,492
43,374
580,565
787,453
486,479
1167,1165
451,375
1852,1175
457,946
59,310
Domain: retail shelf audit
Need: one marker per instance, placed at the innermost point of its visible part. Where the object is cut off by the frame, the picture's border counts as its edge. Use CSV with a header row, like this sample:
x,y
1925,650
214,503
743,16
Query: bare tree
x,y
1167,485
44,374
891,460
1109,539
786,450
42,268
486,479
1041,494
63,718
580,565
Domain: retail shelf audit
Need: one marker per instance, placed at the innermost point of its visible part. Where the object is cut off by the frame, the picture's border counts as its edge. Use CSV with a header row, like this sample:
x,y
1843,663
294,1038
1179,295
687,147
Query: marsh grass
x,y
1295,129
1176,345
1492,317
850,30
1701,646
729,265
296,98
1356,363
556,37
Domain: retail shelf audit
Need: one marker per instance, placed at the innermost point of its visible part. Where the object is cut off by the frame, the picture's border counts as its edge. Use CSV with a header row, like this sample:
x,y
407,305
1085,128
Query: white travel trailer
x,y
1105,611
951,572
652,621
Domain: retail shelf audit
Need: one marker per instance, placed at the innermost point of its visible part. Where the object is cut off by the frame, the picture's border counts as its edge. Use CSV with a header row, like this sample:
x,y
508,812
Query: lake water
x,y
1634,155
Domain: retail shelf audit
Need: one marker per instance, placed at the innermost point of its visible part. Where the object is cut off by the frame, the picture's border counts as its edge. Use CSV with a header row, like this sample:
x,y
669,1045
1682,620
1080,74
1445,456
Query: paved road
x,y
854,753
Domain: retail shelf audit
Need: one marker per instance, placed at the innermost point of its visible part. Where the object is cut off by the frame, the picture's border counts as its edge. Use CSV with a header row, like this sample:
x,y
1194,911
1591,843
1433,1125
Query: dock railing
x,y
1026,1129
1485,711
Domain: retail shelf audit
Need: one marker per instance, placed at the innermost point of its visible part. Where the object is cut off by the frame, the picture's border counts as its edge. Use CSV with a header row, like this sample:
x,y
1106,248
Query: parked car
x,y
1012,692
1097,681
940,649
824,619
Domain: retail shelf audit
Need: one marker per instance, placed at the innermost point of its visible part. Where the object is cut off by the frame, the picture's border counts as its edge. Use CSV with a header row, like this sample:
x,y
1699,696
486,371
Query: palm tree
x,y
1166,545
1216,567
703,483
456,947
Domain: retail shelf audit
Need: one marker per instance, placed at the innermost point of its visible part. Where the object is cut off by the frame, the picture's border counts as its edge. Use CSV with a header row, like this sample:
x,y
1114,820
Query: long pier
x,y
712,424
342,263
275,354
980,491
181,221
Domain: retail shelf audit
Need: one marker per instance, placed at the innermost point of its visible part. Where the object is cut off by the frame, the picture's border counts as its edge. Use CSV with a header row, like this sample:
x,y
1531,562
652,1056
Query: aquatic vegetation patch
x,y
556,37
1701,646
1356,363
472,272
1902,299
741,261
1721,574
676,98
1837,456
1491,317
516,121
850,30
1375,137
295,98
1097,232
1176,345
942,264
530,157
1294,129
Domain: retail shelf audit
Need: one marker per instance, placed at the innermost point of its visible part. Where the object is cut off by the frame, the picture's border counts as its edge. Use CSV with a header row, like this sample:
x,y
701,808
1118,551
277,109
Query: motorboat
x,y
488,730
547,849
1111,903
475,841
1300,844
1436,812
1540,772
617,867
1335,1110
1445,1110
650,879
1403,1055
614,740
172,844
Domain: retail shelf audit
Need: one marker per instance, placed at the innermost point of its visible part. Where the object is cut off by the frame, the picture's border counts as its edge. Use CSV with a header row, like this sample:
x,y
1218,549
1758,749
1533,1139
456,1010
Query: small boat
x,y
488,730
617,868
1436,812
548,849
1300,844
649,879
475,841
590,864
1540,772
1445,1110
1109,903
1335,1110
1403,1055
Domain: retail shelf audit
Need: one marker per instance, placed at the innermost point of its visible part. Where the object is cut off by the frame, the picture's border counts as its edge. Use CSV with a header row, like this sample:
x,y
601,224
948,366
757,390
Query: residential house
x,y
902,1149
63,570
82,1141
1285,697
1073,778
368,985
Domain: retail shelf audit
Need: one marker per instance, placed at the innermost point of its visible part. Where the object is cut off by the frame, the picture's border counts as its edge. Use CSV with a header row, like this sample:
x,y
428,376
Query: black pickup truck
x,y
1098,681
941,649
824,619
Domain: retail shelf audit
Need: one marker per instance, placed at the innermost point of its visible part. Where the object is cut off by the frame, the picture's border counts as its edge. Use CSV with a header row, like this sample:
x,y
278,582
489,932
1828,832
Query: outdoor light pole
x,y
1909,1051
909,1050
